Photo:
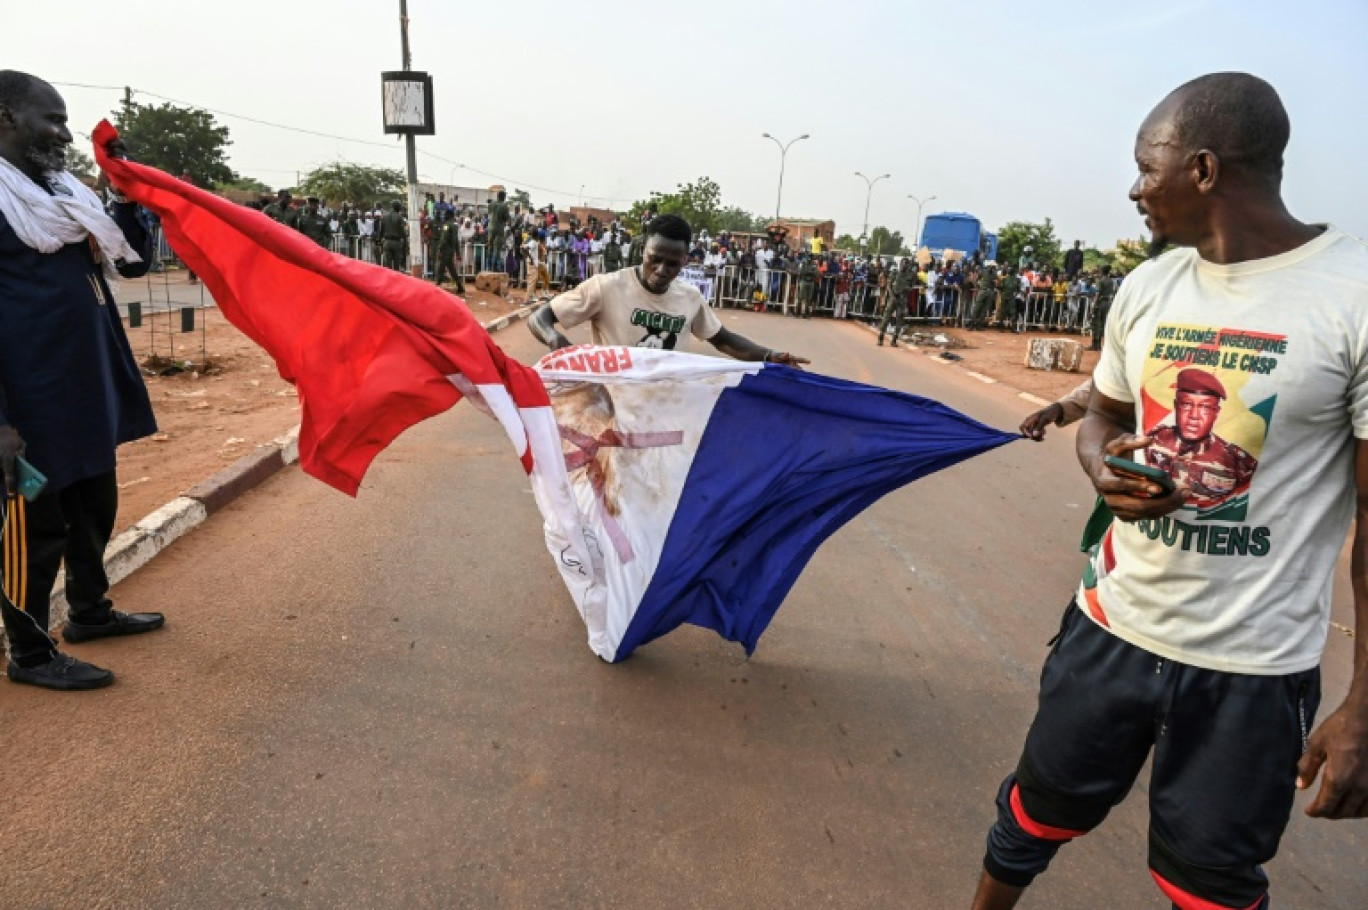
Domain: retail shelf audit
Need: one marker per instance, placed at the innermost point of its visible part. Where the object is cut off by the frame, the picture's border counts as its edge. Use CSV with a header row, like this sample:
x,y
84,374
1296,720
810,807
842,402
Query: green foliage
x,y
883,242
1127,254
700,204
520,197
79,163
357,183
731,218
1094,259
1015,236
177,140
250,184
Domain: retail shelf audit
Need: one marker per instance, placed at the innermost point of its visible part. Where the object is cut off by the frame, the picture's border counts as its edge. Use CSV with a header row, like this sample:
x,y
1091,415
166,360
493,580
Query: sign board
x,y
699,279
406,99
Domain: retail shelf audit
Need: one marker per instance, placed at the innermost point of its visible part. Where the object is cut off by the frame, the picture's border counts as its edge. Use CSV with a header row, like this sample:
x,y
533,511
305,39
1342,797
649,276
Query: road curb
x,y
140,544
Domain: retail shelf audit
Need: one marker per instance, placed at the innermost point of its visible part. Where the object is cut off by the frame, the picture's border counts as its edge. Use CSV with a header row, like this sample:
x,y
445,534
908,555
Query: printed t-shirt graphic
x,y
1252,380
624,314
1206,434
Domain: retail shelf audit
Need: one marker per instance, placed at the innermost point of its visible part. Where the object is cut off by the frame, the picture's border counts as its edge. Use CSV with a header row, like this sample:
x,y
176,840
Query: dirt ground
x,y
220,398
1002,356
217,395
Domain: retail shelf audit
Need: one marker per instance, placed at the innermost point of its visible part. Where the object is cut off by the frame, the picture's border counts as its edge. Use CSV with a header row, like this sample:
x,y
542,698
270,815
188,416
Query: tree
x,y
1015,236
700,204
178,140
731,218
1127,254
79,163
251,184
344,182
521,197
883,242
697,203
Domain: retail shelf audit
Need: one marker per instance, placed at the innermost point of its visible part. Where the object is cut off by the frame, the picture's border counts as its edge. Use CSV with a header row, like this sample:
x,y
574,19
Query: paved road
x,y
388,702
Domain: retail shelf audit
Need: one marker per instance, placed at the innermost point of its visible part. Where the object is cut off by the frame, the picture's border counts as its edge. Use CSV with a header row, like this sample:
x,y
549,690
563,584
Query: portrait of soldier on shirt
x,y
1189,450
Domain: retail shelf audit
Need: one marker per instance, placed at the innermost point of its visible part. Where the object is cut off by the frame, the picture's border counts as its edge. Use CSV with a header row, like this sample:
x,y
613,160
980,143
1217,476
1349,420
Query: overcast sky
x,y
1003,109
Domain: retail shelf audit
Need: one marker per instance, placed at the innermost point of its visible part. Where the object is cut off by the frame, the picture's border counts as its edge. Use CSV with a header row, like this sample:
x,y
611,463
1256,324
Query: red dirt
x,y
211,416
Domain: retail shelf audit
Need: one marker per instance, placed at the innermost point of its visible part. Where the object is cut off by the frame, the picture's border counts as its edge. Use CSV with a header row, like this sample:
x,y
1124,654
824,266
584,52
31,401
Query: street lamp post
x,y
920,202
869,194
783,153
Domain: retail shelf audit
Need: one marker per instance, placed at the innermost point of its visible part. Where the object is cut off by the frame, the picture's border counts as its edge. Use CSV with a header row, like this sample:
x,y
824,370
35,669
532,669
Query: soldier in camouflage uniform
x,y
1106,290
350,228
1189,450
312,224
984,299
612,254
807,282
901,280
393,237
445,247
278,209
1009,286
498,229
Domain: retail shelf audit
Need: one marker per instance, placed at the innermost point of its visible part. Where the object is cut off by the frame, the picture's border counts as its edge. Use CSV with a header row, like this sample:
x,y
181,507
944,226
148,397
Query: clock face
x,y
404,104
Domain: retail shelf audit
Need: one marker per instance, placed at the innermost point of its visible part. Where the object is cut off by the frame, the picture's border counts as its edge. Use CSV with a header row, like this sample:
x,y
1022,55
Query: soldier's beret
x,y
1199,382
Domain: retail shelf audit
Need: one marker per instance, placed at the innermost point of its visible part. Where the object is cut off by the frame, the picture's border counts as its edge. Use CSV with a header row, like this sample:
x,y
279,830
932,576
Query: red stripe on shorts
x,y
1185,901
1034,828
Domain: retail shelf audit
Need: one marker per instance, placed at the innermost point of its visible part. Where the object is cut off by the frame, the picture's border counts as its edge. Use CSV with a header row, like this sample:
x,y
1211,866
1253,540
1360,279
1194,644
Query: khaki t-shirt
x,y
623,313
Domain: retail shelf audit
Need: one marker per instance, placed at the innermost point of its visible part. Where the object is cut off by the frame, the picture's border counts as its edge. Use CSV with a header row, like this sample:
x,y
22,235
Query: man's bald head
x,y
1236,116
17,88
33,117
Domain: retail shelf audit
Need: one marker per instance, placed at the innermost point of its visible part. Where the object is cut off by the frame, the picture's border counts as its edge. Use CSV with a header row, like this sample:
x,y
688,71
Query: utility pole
x,y
127,104
920,202
783,154
411,150
864,236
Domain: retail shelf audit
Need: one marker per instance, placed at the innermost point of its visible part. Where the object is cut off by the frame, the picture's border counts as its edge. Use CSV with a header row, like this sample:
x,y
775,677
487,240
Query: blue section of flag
x,y
787,458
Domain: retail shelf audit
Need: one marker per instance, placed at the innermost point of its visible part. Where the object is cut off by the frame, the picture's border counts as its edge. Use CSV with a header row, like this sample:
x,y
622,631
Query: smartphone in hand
x,y
1143,471
31,480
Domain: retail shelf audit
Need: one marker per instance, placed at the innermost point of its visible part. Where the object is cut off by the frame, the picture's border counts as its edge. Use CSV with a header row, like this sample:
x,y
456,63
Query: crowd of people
x,y
543,248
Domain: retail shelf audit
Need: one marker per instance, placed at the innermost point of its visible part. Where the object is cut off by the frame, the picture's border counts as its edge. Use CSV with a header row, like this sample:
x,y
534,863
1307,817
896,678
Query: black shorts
x,y
1225,746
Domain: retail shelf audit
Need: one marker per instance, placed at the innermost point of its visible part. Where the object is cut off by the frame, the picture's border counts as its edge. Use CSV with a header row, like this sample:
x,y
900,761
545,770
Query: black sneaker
x,y
119,624
61,672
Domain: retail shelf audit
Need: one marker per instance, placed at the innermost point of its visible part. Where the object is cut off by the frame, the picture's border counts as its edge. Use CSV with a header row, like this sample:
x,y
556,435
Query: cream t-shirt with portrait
x,y
622,313
1239,578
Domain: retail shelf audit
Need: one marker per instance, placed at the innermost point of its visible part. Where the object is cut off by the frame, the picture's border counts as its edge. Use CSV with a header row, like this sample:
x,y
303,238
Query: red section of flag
x,y
369,349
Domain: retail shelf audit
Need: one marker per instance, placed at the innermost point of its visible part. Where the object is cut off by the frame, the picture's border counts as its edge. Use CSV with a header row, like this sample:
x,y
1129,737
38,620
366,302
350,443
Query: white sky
x,y
1006,110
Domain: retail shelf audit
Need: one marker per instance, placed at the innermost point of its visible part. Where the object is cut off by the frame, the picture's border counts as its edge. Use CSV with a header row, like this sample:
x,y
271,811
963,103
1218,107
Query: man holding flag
x,y
70,391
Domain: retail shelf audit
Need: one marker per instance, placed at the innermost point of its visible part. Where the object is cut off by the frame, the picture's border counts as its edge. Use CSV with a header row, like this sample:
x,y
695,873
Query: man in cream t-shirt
x,y
1195,638
645,307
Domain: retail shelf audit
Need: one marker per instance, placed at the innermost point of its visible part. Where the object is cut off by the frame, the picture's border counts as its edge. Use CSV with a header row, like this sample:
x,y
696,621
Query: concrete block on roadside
x,y
492,283
289,446
230,483
1054,354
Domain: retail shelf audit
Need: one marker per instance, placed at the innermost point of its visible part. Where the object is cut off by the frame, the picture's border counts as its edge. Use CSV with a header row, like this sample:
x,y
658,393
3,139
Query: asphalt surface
x,y
389,702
